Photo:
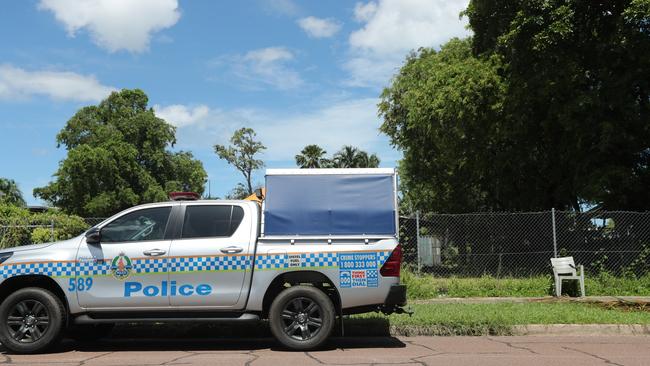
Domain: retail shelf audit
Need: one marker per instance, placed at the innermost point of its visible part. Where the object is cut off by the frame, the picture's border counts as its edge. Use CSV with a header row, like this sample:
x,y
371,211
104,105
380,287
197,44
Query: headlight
x,y
4,256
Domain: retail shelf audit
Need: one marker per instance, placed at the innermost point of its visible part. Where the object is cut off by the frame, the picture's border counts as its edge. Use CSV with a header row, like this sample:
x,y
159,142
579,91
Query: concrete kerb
x,y
581,329
624,300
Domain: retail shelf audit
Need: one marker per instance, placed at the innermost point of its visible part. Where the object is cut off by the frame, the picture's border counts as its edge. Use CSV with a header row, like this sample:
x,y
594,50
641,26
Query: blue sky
x,y
298,72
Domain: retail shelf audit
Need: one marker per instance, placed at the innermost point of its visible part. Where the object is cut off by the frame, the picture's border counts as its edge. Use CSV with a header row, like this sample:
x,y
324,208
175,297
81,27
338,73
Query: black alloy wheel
x,y
302,319
28,321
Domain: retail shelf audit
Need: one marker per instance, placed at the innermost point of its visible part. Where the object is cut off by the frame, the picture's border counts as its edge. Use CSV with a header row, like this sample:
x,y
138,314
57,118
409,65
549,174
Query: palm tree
x,y
312,156
367,161
10,193
347,157
352,157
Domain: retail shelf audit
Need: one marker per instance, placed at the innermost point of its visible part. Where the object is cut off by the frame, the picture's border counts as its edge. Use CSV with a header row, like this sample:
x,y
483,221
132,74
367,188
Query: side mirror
x,y
93,236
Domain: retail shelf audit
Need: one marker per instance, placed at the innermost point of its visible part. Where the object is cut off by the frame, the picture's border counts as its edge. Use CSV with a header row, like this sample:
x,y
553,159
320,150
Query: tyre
x,y
302,317
31,320
89,332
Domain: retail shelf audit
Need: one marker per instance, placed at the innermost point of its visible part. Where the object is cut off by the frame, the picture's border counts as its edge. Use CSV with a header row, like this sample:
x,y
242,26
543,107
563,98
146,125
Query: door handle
x,y
231,250
154,252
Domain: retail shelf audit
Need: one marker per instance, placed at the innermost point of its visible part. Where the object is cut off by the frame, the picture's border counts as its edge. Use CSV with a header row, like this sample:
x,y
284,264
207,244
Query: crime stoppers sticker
x,y
358,270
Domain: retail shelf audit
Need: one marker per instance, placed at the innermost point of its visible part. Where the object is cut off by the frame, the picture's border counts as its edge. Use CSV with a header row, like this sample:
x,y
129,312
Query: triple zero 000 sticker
x,y
358,269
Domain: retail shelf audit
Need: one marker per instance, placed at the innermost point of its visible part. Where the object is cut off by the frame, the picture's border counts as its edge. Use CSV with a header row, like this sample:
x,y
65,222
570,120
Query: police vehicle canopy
x,y
330,202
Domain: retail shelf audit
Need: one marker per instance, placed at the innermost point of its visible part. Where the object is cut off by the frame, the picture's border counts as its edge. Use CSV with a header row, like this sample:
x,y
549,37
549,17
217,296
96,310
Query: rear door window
x,y
211,221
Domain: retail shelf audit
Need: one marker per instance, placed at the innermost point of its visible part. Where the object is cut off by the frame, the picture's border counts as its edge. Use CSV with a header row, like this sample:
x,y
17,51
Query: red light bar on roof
x,y
184,196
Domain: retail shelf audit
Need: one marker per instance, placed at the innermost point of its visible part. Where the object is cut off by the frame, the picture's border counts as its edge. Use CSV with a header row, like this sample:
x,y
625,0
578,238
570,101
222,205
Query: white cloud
x,y
391,28
17,83
265,67
180,115
265,56
115,24
281,7
351,122
319,28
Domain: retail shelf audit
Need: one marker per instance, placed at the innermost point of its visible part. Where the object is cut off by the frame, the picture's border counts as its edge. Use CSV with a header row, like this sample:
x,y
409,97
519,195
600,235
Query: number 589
x,y
80,284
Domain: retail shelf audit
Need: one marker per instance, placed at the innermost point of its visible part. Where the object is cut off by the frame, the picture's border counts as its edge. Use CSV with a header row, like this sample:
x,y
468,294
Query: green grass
x,y
479,319
428,286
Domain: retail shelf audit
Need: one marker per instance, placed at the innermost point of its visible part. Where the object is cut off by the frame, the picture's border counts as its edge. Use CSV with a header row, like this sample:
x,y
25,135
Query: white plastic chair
x,y
565,269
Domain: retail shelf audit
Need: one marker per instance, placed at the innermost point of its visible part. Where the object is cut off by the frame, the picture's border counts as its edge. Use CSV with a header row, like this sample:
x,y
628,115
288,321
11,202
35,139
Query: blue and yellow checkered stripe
x,y
182,264
52,269
209,263
299,260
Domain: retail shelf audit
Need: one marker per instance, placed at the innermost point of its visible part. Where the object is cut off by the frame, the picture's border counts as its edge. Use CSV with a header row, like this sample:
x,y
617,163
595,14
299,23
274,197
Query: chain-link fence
x,y
521,244
497,244
24,230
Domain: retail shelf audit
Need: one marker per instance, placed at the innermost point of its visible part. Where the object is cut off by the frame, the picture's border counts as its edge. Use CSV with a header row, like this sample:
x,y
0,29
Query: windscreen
x,y
329,204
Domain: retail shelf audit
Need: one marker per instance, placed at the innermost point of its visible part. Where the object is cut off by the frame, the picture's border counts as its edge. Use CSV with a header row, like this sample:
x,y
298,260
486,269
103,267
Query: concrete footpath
x,y
485,351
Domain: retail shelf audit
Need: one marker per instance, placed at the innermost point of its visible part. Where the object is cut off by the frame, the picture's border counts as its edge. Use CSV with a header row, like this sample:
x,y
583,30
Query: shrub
x,y
17,226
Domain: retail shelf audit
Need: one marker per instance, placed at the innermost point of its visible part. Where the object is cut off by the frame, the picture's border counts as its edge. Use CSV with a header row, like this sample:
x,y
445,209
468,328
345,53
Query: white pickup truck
x,y
321,245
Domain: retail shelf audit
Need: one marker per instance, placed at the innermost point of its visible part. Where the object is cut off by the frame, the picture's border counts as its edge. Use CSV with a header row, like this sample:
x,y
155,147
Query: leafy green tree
x,y
242,154
579,85
546,105
10,193
118,157
352,157
312,156
441,110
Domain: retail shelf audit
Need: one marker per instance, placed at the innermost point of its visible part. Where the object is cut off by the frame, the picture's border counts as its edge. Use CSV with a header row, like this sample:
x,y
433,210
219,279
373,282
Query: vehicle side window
x,y
140,225
211,221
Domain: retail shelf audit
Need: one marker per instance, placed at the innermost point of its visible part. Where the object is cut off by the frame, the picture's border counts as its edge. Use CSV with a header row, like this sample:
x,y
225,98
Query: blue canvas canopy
x,y
330,202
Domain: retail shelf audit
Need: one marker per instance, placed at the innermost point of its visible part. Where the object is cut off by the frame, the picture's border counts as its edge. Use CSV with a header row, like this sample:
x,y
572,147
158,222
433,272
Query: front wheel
x,y
31,320
302,317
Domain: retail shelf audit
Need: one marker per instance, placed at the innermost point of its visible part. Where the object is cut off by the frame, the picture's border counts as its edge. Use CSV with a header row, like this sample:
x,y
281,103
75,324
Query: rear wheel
x,y
32,320
302,317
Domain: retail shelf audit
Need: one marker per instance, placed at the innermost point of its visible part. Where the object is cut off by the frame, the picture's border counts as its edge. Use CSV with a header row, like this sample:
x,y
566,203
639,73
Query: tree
x,y
238,193
579,84
10,193
118,157
312,156
352,157
441,110
546,105
242,154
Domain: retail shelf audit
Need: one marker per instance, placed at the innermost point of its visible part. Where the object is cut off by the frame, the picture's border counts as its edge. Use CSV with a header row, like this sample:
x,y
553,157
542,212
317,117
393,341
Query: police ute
x,y
317,245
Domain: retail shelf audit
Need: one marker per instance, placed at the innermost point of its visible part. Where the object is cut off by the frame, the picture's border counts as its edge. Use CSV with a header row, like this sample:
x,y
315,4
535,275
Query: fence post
x,y
554,233
417,237
52,229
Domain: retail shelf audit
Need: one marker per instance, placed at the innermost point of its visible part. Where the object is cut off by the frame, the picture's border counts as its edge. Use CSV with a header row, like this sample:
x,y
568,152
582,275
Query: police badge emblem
x,y
121,266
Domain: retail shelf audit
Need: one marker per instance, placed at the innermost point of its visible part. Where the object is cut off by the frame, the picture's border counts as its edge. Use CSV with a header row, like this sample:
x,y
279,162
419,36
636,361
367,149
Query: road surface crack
x,y
83,362
189,354
509,344
255,357
609,362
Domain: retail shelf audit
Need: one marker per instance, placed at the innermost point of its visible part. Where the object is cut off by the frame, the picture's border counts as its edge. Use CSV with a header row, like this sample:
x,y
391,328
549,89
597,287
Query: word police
x,y
165,289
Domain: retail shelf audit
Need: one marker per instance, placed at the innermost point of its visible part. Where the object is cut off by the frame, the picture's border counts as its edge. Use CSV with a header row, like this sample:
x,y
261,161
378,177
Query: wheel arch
x,y
16,283
294,278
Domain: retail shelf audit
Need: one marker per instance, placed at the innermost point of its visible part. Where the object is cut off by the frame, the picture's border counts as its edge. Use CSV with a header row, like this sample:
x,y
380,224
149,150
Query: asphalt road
x,y
484,351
